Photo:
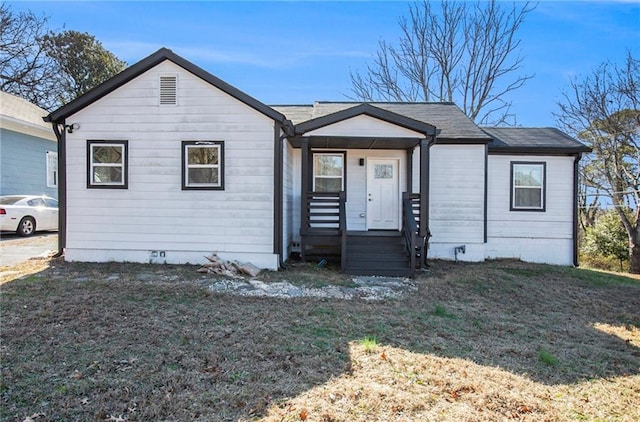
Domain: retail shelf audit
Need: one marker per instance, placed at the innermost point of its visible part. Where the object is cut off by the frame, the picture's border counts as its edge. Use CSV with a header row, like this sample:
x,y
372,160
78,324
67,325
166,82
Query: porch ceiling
x,y
359,142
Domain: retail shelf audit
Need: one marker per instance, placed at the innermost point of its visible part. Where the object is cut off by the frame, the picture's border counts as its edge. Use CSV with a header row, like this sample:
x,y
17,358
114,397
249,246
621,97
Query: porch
x,y
379,232
396,253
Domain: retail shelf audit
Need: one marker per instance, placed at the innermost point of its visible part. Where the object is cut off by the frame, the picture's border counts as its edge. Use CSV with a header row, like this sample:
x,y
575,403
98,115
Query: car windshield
x,y
10,200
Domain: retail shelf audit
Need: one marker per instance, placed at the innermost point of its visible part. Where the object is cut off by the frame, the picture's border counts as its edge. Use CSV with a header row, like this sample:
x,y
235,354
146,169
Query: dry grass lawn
x,y
492,341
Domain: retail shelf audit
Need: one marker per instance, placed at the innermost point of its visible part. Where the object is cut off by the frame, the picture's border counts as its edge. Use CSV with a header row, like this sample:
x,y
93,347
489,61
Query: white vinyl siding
x,y
154,213
531,236
456,203
363,125
289,193
456,199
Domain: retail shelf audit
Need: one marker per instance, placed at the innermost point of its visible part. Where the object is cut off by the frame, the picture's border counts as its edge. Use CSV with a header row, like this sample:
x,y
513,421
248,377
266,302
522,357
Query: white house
x,y
167,163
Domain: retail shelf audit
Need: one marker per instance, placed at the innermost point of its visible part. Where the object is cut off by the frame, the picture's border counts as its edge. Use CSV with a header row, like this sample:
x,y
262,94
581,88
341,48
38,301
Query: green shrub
x,y
606,243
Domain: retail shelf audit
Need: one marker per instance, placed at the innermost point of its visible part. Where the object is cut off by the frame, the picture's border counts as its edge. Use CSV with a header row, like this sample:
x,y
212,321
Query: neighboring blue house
x,y
28,149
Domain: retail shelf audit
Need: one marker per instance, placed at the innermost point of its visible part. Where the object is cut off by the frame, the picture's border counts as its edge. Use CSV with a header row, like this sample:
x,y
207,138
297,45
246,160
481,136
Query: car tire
x,y
27,226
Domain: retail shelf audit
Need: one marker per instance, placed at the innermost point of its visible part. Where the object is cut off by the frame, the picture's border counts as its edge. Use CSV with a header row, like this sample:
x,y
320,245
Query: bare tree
x,y
46,68
462,52
603,110
25,68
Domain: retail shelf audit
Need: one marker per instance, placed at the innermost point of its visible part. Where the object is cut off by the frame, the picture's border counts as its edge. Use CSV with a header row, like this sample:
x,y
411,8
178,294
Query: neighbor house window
x,y
107,164
528,186
203,165
328,171
52,169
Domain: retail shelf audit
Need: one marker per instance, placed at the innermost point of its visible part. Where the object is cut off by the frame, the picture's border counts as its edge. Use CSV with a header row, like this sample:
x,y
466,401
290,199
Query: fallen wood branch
x,y
218,266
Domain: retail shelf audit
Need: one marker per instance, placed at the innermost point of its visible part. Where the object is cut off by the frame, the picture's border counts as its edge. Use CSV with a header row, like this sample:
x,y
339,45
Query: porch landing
x,y
379,252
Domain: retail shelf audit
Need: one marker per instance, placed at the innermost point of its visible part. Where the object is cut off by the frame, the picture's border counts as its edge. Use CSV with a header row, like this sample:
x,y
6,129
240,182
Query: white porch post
x,y
424,187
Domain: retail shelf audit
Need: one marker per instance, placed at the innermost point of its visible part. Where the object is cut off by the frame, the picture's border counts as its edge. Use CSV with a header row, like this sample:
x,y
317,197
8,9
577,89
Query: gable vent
x,y
168,90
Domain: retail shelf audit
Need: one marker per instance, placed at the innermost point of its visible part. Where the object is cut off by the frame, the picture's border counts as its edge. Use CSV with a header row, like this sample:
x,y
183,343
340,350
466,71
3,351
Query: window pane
x,y
51,203
10,200
383,171
107,175
207,176
328,165
528,198
328,184
107,154
36,202
203,155
527,175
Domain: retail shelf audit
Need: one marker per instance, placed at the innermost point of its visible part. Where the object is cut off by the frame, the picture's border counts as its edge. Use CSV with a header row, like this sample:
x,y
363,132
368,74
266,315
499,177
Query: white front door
x,y
383,194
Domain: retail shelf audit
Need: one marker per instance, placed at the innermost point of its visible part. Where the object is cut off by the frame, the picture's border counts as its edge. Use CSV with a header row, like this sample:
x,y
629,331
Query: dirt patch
x,y
492,341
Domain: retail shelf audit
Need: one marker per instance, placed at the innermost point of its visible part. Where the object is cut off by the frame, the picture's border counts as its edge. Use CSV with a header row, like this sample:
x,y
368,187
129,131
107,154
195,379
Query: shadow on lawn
x,y
157,348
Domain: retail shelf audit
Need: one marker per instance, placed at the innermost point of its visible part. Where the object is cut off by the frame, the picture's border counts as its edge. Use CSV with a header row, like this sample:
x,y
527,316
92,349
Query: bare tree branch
x,y
46,68
602,110
25,69
461,52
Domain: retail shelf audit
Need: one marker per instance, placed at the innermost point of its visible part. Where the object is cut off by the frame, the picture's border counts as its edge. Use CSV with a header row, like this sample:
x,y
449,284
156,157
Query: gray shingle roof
x,y
524,139
447,117
296,113
20,115
453,125
21,109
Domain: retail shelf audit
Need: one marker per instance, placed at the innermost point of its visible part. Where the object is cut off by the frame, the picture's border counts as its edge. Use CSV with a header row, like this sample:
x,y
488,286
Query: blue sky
x,y
299,52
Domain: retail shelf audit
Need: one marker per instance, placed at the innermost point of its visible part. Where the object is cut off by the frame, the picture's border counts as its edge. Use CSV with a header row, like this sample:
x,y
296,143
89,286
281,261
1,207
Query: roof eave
x,y
539,150
367,110
144,65
461,141
22,126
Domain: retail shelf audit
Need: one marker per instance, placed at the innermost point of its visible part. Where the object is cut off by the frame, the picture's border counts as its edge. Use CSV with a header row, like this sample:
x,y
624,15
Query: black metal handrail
x,y
410,227
416,241
343,230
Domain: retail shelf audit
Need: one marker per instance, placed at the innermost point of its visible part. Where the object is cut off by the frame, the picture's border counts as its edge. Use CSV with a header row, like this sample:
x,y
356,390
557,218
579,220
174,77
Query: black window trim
x,y
544,186
221,165
332,152
125,164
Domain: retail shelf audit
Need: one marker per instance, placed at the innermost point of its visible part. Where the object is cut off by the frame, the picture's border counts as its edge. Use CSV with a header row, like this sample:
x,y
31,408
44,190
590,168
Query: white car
x,y
25,214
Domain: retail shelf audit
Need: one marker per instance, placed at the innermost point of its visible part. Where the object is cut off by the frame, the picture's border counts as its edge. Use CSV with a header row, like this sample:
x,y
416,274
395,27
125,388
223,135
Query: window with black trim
x,y
203,165
107,164
328,171
528,185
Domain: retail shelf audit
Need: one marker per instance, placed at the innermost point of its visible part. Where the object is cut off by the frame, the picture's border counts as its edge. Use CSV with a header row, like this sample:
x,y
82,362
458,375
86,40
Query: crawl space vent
x,y
168,90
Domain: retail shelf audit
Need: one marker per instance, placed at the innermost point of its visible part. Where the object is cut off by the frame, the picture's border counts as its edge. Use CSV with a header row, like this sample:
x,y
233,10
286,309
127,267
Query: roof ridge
x,y
518,127
290,105
145,65
385,102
